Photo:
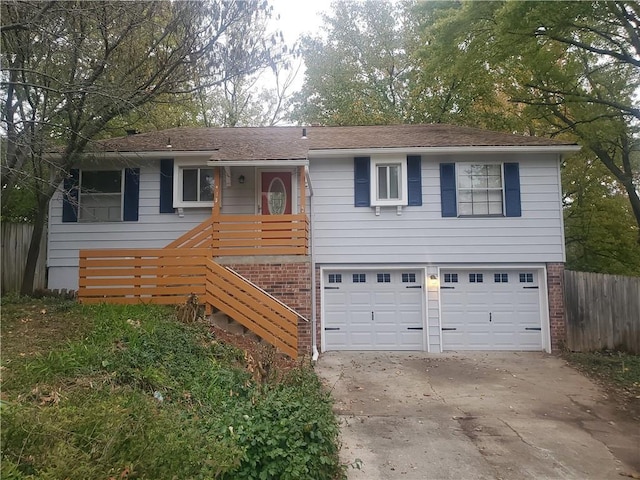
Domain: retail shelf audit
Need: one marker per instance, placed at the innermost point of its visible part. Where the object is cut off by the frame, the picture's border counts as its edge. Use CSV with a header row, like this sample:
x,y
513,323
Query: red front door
x,y
276,193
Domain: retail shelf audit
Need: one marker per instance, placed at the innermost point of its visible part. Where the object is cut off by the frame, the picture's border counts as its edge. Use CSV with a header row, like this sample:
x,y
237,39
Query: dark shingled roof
x,y
247,143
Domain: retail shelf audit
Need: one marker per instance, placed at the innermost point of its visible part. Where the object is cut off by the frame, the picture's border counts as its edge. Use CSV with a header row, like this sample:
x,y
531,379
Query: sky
x,y
298,16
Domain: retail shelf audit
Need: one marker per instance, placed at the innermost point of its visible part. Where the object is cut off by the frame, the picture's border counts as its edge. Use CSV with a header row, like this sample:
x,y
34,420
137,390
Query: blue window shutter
x,y
414,179
131,194
362,175
70,196
166,185
448,189
512,190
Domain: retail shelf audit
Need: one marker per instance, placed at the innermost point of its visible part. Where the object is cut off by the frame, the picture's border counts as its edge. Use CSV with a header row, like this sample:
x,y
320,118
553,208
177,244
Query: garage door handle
x,y
331,288
448,328
414,328
414,286
531,287
533,328
332,328
448,288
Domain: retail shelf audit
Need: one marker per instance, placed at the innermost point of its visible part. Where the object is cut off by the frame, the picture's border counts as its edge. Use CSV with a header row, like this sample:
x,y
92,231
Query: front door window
x,y
276,193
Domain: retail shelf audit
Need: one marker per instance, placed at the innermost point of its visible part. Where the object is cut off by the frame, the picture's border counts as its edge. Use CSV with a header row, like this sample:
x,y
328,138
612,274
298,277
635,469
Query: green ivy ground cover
x,y
128,392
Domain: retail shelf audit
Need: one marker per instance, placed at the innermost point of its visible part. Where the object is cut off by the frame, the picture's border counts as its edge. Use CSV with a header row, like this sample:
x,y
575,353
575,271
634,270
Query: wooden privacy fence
x,y
16,238
603,311
162,276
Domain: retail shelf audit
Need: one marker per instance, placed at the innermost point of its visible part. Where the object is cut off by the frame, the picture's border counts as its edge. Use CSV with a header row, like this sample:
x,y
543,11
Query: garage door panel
x,y
395,309
336,337
491,315
362,299
359,319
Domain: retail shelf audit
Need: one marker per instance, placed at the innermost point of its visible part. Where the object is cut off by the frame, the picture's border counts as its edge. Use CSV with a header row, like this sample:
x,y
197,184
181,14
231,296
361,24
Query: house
x,y
401,237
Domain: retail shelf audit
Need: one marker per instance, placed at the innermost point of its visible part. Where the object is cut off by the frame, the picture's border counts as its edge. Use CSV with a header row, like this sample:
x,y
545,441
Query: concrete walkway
x,y
476,416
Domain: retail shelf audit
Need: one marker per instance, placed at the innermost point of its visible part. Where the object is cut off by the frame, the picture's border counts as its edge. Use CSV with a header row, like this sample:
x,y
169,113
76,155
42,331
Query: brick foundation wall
x,y
557,322
288,282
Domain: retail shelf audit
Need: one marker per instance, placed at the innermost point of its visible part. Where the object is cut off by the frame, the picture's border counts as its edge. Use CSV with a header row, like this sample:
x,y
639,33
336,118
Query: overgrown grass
x,y
617,369
139,395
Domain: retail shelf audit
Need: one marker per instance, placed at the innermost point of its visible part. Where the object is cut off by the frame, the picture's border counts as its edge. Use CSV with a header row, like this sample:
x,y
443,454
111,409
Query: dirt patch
x,y
262,360
618,375
35,327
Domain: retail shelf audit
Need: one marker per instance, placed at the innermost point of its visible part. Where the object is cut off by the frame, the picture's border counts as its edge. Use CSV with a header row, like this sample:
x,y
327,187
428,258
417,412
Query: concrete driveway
x,y
476,416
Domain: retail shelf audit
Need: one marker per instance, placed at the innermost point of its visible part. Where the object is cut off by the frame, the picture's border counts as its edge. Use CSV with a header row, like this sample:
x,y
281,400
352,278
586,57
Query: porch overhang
x,y
293,162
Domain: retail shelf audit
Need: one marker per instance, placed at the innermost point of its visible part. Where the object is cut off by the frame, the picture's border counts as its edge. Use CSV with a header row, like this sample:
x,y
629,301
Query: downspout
x,y
314,337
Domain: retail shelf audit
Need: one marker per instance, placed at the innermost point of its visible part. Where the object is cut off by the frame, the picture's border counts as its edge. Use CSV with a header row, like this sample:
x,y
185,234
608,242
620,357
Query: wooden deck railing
x,y
163,276
250,306
240,235
199,236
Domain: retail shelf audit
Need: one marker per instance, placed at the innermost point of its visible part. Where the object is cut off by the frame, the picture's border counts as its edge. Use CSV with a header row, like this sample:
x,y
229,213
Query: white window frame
x,y
459,169
403,199
80,217
178,168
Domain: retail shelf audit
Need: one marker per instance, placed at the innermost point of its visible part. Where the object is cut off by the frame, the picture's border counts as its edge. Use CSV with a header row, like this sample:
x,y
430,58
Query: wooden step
x,y
223,321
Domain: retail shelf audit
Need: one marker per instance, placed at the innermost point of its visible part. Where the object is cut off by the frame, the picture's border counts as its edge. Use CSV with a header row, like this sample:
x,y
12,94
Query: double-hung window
x,y
193,186
100,196
480,189
389,181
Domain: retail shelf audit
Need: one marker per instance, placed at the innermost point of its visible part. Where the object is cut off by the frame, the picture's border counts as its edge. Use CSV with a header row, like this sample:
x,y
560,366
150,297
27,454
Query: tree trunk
x,y
635,203
34,250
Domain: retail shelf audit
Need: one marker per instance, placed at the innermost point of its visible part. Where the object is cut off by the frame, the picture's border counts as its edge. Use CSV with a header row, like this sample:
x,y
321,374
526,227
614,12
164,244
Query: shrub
x,y
288,433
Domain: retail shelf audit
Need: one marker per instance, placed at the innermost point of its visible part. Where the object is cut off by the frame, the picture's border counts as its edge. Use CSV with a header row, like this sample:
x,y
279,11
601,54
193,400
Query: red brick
x,y
289,283
555,290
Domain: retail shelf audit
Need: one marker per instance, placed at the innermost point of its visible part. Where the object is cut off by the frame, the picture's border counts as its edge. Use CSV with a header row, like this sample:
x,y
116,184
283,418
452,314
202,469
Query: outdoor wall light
x,y
433,277
241,179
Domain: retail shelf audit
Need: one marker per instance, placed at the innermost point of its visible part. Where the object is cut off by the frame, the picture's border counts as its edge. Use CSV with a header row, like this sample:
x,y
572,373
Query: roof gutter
x,y
335,152
142,155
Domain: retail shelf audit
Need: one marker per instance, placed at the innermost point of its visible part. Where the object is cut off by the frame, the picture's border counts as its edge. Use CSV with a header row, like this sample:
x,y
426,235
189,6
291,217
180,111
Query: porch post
x,y
303,191
217,191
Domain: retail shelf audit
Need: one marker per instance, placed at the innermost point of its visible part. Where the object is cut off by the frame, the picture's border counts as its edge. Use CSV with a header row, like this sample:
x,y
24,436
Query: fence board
x,y
603,311
15,246
151,276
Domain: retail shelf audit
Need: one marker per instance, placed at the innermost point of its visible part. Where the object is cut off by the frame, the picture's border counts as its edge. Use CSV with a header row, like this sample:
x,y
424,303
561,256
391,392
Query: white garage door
x,y
490,310
373,310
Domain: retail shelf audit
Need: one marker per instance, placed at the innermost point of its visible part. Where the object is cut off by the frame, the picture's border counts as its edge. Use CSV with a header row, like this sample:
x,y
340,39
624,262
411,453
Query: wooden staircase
x,y
186,266
252,307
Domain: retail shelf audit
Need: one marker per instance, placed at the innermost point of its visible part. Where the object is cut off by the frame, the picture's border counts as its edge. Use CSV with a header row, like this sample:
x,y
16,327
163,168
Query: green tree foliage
x,y
359,69
72,70
375,64
600,232
457,83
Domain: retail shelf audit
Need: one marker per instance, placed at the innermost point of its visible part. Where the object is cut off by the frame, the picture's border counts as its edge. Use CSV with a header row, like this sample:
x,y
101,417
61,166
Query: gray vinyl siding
x,y
343,233
433,311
